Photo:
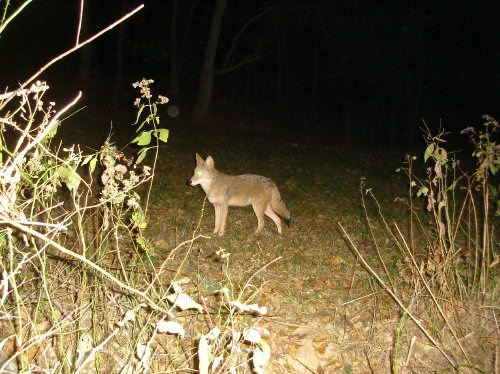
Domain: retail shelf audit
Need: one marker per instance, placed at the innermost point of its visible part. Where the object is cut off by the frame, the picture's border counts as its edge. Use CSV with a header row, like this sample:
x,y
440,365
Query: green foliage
x,y
70,177
139,224
92,161
347,368
146,104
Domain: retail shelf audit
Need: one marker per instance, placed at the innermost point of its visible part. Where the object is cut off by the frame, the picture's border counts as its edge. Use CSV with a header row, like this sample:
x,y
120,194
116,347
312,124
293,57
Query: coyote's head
x,y
203,172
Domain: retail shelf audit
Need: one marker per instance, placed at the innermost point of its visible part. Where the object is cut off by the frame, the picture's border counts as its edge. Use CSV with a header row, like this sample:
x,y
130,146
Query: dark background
x,y
339,71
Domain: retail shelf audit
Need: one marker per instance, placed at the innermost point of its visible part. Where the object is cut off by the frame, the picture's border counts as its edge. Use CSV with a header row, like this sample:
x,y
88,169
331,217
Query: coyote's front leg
x,y
217,218
223,208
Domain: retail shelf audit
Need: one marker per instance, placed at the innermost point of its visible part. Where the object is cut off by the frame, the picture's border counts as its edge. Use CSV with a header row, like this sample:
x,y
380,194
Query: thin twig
x,y
80,20
14,15
20,156
24,91
432,295
27,230
396,299
77,47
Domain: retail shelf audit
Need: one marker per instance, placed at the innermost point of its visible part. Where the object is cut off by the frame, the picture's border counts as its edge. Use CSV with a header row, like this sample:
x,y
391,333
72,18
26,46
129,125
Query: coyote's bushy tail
x,y
279,207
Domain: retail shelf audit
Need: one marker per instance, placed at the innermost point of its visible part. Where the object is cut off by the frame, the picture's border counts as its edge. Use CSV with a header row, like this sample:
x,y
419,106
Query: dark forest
x,y
367,70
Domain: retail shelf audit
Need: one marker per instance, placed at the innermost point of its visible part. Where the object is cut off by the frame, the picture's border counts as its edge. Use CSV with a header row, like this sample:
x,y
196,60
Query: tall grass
x,y
447,282
80,289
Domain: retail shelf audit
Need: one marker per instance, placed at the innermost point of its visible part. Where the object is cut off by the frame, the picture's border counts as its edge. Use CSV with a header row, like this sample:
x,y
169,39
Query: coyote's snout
x,y
224,191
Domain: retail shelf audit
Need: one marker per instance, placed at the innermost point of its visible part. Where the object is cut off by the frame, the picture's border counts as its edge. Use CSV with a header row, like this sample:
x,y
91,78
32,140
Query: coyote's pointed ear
x,y
209,162
199,160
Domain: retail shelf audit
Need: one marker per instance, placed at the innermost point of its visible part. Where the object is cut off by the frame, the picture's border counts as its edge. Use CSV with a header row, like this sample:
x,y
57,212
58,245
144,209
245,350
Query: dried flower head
x,y
143,84
162,99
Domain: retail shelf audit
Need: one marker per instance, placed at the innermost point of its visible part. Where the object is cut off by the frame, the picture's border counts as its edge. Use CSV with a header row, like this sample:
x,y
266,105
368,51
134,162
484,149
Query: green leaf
x,y
440,154
428,151
139,219
453,186
141,126
347,368
86,160
93,164
144,243
3,240
143,139
161,134
493,191
53,130
141,155
70,177
494,168
139,114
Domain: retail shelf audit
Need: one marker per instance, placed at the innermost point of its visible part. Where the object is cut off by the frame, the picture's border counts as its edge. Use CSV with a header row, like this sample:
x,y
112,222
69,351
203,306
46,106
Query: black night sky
x,y
307,68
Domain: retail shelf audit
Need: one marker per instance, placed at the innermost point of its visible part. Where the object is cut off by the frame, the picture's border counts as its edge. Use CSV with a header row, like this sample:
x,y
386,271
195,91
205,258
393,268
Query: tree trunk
x,y
120,41
178,50
317,50
282,76
205,91
174,68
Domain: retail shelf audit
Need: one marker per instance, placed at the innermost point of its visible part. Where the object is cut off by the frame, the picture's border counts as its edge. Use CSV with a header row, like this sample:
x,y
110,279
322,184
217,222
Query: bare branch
x,y
29,231
75,48
24,91
80,20
245,61
14,15
10,170
235,40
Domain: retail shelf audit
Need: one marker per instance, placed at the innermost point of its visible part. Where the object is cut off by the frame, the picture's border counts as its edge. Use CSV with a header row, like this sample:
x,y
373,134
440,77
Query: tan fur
x,y
224,191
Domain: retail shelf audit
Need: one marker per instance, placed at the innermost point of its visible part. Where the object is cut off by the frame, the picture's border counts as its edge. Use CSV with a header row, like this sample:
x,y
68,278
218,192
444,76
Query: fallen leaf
x,y
335,260
321,337
319,347
183,301
204,353
170,327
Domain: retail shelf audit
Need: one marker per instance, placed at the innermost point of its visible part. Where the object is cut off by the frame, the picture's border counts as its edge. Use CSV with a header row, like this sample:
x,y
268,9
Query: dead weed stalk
x,y
79,287
447,279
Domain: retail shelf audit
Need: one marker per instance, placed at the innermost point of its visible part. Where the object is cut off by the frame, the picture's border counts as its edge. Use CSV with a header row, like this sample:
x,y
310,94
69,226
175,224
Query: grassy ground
x,y
325,312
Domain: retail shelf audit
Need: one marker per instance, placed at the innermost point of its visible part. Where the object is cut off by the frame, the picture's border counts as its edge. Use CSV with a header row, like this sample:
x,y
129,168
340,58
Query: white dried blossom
x,y
120,171
162,99
143,84
70,151
134,178
49,189
133,203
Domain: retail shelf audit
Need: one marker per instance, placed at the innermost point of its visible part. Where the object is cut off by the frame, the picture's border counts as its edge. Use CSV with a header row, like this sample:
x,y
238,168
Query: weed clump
x,y
79,288
447,274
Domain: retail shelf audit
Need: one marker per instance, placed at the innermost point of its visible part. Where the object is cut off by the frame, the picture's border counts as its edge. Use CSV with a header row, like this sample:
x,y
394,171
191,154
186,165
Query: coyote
x,y
224,191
